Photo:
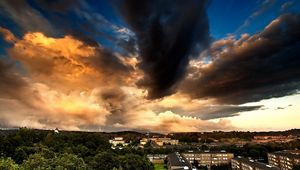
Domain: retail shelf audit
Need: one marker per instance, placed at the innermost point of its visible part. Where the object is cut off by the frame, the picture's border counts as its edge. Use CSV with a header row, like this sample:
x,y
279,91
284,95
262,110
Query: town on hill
x,y
24,148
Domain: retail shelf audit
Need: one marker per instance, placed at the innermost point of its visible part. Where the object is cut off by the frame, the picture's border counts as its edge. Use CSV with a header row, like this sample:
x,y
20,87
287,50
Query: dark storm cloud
x,y
15,87
225,111
281,108
11,83
167,33
113,98
211,112
258,67
61,17
89,23
60,6
109,63
24,16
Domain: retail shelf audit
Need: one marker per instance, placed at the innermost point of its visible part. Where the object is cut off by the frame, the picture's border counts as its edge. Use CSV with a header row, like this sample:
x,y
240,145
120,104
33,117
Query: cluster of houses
x,y
261,139
282,160
200,158
159,141
119,142
285,159
277,139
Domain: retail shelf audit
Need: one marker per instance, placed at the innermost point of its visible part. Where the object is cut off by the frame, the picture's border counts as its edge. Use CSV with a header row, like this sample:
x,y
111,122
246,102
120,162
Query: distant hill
x,y
180,135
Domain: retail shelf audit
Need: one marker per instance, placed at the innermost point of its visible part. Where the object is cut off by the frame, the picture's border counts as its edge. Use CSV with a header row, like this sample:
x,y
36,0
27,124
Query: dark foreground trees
x,y
37,149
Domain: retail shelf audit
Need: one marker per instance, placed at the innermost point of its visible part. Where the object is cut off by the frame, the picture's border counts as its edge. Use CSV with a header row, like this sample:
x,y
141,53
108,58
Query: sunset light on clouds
x,y
78,66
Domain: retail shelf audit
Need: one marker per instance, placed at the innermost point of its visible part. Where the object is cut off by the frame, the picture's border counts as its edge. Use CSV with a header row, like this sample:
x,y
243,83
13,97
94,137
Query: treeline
x,y
38,149
190,137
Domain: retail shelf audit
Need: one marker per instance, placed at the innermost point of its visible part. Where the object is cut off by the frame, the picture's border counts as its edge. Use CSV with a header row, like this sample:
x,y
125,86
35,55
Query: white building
x,y
118,141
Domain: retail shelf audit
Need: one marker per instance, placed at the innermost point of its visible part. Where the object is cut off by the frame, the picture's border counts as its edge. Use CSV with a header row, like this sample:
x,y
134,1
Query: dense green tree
x,y
41,149
105,160
62,161
36,162
20,155
45,152
8,164
133,161
69,161
81,150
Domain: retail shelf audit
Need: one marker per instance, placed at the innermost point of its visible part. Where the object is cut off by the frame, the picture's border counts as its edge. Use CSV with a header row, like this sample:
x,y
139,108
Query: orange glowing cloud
x,y
77,86
8,36
58,59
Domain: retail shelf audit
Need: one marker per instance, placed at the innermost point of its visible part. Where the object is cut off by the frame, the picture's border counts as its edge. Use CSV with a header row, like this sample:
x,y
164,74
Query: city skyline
x,y
162,66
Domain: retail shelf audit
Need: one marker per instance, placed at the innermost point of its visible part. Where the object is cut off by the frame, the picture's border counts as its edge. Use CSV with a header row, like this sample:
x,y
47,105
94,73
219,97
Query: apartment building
x,y
143,141
163,141
285,160
240,163
118,141
209,158
157,158
277,139
177,161
160,141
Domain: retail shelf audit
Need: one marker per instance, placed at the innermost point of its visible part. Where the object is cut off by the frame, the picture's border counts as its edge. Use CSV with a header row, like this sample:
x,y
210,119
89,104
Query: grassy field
x,y
159,167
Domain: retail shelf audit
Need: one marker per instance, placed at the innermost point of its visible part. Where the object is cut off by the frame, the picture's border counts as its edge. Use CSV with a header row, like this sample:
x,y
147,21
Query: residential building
x,y
209,158
56,130
164,141
159,141
118,141
240,163
157,158
278,139
176,161
285,160
143,141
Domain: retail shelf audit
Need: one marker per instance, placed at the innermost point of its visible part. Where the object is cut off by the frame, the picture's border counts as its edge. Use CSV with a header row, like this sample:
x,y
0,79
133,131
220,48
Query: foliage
x,y
36,161
105,160
41,149
133,161
8,164
69,161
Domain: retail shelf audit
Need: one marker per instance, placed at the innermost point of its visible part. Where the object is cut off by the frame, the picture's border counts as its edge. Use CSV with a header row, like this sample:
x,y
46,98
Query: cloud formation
x,y
26,17
267,4
11,83
97,74
252,68
64,75
7,35
75,86
68,61
167,33
214,112
285,6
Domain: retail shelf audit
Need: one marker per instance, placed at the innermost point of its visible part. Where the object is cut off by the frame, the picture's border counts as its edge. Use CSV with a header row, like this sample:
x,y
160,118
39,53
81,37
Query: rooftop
x,y
176,159
255,164
207,151
289,154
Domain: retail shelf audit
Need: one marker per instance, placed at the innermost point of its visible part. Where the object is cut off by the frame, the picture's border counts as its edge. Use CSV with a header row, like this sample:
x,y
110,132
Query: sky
x,y
153,65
